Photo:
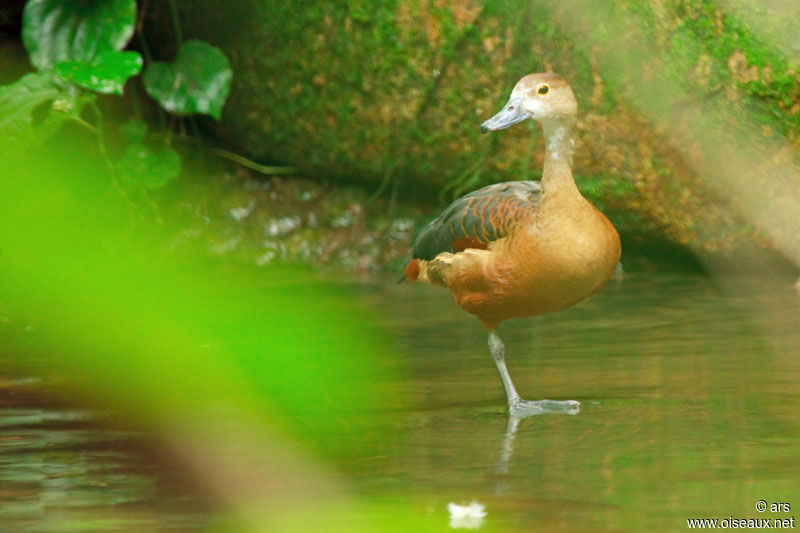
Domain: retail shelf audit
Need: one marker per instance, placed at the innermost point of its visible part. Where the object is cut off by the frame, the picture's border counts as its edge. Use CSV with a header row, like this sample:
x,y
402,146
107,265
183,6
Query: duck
x,y
522,248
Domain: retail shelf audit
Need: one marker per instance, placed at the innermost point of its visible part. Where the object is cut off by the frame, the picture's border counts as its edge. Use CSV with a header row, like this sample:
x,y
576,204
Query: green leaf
x,y
68,106
133,131
197,82
147,168
55,31
17,102
106,73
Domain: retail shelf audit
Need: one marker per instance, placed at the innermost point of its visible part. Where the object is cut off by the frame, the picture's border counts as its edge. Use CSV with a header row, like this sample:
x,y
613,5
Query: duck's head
x,y
542,97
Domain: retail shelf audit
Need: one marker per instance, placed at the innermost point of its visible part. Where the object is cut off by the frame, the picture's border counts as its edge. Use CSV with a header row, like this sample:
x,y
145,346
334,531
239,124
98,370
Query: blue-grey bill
x,y
511,113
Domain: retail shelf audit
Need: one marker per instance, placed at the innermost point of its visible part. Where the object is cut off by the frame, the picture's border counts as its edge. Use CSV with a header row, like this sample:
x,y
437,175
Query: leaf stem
x,y
176,21
252,165
98,131
148,58
112,168
170,127
84,124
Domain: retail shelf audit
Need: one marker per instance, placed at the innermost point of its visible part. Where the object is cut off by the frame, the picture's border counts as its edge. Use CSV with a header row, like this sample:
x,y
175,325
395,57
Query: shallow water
x,y
689,390
690,396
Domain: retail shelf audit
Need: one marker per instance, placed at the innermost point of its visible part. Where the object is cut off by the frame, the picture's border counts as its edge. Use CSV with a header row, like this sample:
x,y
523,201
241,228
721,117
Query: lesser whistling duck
x,y
522,248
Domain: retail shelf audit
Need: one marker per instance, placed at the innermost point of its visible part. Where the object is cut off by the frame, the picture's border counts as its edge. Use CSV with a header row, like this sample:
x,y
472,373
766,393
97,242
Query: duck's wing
x,y
478,218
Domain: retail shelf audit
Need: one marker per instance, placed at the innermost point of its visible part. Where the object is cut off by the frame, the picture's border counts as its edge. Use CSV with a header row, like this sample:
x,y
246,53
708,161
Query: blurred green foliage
x,y
113,299
254,371
77,47
274,363
17,103
151,168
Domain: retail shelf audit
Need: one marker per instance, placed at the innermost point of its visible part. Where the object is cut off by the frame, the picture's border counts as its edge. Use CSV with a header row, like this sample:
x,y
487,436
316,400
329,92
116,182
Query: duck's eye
x,y
543,89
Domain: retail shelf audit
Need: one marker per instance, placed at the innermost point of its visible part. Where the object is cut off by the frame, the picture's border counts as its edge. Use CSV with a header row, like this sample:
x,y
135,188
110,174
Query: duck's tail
x,y
422,270
411,273
433,272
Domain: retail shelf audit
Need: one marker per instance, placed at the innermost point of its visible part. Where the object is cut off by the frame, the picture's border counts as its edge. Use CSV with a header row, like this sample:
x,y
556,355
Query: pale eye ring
x,y
543,89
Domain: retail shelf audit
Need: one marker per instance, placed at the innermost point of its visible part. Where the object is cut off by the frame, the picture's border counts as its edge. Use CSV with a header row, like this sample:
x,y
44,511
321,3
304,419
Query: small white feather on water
x,y
466,516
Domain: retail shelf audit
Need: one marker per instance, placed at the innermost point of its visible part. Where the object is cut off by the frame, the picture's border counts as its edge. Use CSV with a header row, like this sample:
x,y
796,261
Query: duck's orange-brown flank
x,y
462,243
522,248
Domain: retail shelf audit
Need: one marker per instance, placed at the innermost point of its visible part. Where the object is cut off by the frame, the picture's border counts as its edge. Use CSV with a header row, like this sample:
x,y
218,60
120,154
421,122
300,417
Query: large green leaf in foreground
x,y
197,82
121,314
250,376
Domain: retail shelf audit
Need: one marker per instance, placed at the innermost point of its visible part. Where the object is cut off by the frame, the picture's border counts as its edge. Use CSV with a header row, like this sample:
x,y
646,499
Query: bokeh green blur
x,y
274,360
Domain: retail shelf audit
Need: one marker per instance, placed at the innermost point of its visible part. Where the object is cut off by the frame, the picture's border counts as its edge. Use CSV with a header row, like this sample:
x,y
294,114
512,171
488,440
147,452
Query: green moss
x,y
701,33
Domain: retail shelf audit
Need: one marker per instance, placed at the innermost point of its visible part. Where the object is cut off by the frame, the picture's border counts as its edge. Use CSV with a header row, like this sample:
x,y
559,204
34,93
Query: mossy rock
x,y
388,90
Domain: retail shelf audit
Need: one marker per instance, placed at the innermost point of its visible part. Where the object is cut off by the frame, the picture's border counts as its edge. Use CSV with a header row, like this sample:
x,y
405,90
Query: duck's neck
x,y
557,173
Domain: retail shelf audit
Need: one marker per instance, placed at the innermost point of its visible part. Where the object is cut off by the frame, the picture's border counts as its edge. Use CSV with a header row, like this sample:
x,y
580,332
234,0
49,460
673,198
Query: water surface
x,y
690,391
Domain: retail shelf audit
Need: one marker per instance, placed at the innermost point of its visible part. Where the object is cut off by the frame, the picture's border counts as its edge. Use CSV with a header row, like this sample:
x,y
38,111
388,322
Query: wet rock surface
x,y
262,220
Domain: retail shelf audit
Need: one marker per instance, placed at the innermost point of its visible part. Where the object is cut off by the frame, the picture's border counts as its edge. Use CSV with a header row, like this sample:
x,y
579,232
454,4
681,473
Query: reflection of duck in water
x,y
522,248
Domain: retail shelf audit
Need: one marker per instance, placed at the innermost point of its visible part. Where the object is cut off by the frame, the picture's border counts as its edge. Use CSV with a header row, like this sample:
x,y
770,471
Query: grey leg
x,y
499,356
516,405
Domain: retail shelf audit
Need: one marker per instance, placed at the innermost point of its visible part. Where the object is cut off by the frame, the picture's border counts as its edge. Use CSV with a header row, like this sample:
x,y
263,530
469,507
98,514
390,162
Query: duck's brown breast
x,y
555,263
573,253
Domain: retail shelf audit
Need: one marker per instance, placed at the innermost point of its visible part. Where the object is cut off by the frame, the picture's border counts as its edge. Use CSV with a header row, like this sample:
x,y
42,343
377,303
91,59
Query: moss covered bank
x,y
391,93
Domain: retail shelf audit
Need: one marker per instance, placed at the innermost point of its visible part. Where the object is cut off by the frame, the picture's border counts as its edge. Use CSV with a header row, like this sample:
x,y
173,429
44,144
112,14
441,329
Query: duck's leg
x,y
516,405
